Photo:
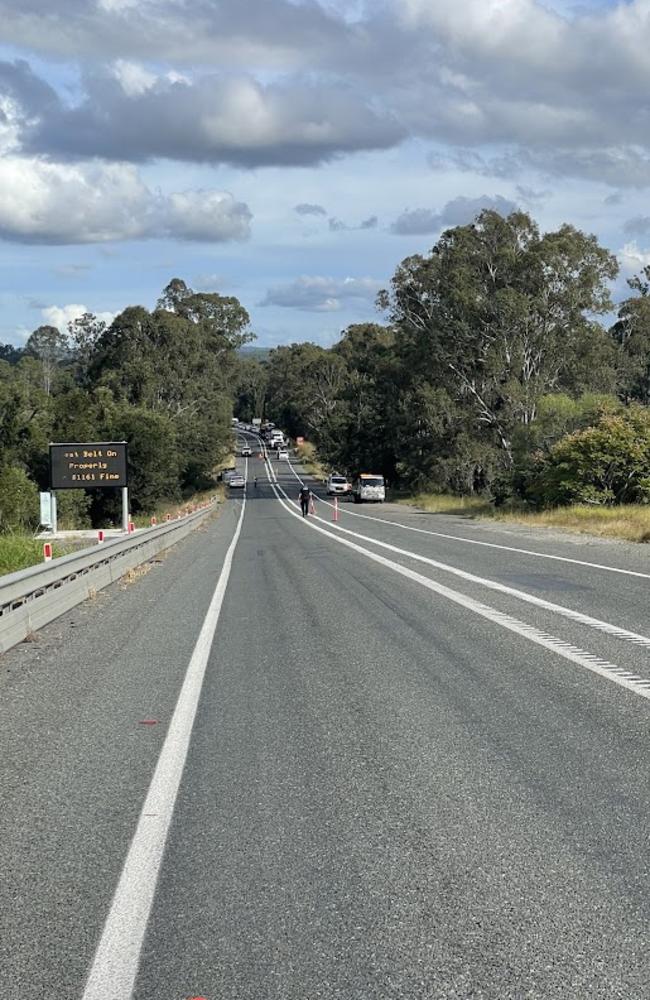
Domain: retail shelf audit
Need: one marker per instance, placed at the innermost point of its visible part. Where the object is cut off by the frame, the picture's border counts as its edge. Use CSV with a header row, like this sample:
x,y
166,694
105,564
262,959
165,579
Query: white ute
x,y
338,486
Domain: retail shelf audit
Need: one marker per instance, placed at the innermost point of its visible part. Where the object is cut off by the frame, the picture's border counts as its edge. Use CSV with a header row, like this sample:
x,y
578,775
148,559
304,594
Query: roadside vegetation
x,y
496,376
496,385
20,551
628,522
308,457
163,380
172,509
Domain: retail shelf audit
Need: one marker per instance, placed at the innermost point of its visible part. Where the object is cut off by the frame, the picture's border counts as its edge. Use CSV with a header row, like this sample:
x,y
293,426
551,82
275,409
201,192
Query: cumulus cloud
x,y
273,33
214,118
416,221
306,208
44,202
539,85
458,212
632,258
322,294
60,316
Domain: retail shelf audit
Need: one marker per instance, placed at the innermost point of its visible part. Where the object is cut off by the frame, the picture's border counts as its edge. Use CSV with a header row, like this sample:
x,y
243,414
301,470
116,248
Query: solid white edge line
x,y
115,965
574,654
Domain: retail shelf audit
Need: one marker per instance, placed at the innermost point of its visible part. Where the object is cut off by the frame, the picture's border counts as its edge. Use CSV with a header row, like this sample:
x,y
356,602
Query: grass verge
x,y
446,503
173,508
629,522
20,551
306,454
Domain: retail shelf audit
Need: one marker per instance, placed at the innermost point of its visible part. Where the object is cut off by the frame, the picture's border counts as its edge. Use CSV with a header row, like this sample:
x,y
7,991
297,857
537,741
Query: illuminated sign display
x,y
88,466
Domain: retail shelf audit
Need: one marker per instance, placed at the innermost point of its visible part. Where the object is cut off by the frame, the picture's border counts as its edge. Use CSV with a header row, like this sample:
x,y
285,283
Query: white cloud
x,y
45,202
632,258
60,316
315,293
206,215
133,78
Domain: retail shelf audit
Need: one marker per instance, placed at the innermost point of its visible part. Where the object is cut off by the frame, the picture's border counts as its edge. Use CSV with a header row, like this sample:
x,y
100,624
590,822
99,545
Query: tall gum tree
x,y
498,315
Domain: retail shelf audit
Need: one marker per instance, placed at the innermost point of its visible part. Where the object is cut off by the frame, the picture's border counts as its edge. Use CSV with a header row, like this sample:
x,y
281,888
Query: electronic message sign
x,y
88,466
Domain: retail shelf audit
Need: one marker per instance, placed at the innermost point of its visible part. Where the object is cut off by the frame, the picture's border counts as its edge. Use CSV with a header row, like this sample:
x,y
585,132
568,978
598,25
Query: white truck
x,y
369,487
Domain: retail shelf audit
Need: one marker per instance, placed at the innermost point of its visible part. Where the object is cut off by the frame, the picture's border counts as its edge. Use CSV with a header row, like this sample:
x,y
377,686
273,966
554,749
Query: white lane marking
x,y
610,671
115,965
476,541
577,616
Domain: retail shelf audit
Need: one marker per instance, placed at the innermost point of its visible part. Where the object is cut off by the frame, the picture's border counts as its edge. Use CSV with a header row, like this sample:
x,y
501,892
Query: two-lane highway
x,y
387,792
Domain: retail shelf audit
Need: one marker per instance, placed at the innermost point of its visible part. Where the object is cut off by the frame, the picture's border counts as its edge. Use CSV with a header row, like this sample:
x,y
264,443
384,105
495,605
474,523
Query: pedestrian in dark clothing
x,y
304,496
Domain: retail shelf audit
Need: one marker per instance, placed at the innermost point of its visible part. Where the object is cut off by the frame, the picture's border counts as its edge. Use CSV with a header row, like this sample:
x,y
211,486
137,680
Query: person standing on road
x,y
305,497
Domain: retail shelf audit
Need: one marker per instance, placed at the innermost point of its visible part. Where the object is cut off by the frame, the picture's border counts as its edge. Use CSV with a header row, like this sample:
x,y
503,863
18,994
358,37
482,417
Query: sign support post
x,y
125,509
55,520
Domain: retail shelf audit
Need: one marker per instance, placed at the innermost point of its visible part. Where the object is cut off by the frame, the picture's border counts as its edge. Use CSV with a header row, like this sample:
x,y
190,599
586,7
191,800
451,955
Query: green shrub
x,y
18,500
608,463
72,510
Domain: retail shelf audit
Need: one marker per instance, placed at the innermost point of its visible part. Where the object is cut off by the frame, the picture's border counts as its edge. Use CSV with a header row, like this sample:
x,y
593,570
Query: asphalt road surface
x,y
395,755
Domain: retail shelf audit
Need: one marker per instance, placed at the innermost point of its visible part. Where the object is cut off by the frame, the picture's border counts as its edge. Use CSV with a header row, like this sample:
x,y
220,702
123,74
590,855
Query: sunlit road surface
x,y
392,755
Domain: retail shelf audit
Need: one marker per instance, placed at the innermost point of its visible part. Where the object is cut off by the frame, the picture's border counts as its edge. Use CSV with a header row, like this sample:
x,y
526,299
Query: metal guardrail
x,y
33,597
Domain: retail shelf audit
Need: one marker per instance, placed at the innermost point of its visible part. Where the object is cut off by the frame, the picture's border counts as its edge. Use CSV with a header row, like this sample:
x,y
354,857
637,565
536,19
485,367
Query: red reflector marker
x,y
47,551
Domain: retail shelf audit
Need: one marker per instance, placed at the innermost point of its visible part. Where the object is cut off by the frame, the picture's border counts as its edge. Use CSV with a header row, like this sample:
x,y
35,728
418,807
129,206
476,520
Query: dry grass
x,y
133,575
175,508
309,461
445,503
630,522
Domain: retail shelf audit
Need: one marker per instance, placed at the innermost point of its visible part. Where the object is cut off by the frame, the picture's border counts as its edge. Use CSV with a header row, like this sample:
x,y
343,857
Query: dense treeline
x,y
498,371
162,380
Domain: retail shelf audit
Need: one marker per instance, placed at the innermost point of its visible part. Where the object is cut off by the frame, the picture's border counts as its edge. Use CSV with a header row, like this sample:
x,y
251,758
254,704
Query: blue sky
x,y
292,153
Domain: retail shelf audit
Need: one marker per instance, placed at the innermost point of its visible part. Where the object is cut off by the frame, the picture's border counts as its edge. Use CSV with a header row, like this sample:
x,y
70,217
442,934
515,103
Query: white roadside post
x,y
125,510
54,516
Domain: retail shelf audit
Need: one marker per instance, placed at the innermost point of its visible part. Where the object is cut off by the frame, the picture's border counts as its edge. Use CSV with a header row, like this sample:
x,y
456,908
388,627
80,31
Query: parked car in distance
x,y
369,487
337,486
236,482
246,451
283,454
227,473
